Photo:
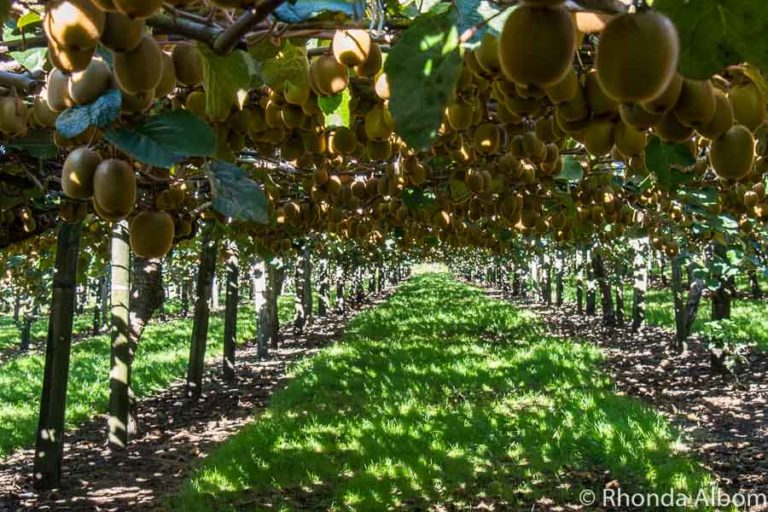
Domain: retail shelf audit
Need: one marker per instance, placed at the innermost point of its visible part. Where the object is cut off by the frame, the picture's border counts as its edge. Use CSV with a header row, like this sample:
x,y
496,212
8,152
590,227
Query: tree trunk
x,y
307,285
261,302
275,278
380,278
680,321
640,283
546,279
324,288
340,306
754,285
606,299
120,356
300,313
185,286
559,271
50,427
591,302
207,269
359,288
215,292
721,302
230,313
26,331
692,305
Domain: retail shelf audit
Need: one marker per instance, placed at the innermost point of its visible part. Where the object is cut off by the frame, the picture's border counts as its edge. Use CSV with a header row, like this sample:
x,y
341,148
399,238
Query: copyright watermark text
x,y
709,498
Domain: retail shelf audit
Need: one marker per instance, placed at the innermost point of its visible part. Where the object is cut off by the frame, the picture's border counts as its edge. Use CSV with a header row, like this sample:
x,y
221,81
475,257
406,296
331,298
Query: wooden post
x,y
120,357
261,303
210,245
50,427
230,313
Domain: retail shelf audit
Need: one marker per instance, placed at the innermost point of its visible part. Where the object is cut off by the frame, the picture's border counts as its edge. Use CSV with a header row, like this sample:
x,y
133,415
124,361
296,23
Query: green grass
x,y
750,316
10,331
161,358
441,395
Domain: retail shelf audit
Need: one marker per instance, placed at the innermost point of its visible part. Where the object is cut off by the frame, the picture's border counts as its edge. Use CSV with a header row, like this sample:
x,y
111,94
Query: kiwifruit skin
x,y
599,137
351,47
537,45
121,33
69,60
635,115
564,89
722,120
135,103
188,64
58,91
670,129
328,75
114,189
667,100
86,86
487,138
732,154
138,8
168,78
42,112
637,56
78,171
696,105
372,64
74,32
141,69
13,118
749,107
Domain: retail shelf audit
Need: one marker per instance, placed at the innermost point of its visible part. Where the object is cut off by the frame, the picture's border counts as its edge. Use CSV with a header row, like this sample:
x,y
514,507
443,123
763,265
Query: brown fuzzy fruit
x,y
121,33
58,91
351,47
637,56
372,64
748,105
487,138
69,60
138,8
328,75
722,119
168,79
13,117
188,64
732,154
74,24
141,69
86,86
537,45
696,105
668,98
114,189
78,171
151,234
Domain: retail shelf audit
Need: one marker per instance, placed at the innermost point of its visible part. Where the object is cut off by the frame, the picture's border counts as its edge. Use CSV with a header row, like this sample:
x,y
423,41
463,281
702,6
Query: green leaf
x,y
226,80
717,33
301,10
336,109
572,170
289,65
482,14
667,162
236,195
459,190
32,59
165,139
37,143
28,19
415,198
422,69
101,113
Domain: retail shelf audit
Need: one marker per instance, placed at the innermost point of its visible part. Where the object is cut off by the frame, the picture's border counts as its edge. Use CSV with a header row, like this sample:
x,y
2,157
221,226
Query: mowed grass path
x,y
441,395
160,359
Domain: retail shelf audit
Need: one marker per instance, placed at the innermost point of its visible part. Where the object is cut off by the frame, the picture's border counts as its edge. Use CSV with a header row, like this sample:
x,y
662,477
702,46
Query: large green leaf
x,y
37,143
422,69
101,113
226,80
668,162
165,139
336,109
32,59
717,33
301,10
290,64
481,16
236,195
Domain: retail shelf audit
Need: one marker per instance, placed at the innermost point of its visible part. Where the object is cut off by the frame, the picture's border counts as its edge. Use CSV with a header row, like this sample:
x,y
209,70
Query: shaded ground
x,y
173,435
725,422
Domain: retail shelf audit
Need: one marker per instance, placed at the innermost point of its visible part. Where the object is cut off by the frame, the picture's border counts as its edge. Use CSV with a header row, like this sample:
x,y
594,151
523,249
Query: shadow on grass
x,y
441,395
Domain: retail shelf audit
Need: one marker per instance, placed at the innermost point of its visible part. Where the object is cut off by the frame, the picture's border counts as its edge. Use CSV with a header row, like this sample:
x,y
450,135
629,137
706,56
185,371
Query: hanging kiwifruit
x,y
732,154
351,47
168,79
58,91
114,189
140,69
696,104
74,24
88,85
372,64
69,60
722,119
78,171
328,75
188,64
121,33
537,45
637,56
748,104
151,234
138,8
13,117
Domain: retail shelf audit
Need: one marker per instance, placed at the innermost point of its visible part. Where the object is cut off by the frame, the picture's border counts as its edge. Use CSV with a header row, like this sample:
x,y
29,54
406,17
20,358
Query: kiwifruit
x,y
733,153
88,85
328,75
74,24
138,8
69,60
140,69
599,103
13,116
748,105
291,148
564,89
151,234
382,87
667,100
351,47
576,109
721,121
105,5
636,116
537,45
695,106
372,64
487,138
629,140
188,64
342,141
533,148
114,189
296,94
460,115
78,171
168,79
58,91
293,116
487,54
378,149
599,136
751,198
637,56
42,112
671,130
121,33
195,103
378,123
